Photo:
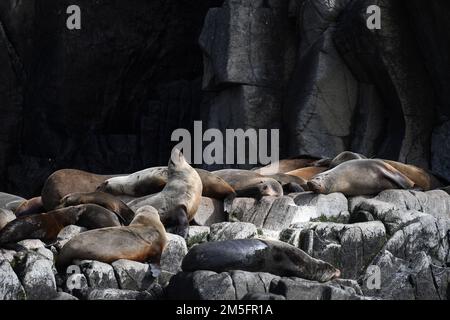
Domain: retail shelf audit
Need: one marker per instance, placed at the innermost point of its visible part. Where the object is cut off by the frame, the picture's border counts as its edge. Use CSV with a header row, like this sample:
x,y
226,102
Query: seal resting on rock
x,y
255,255
153,180
183,191
143,240
250,183
286,165
46,226
67,181
360,177
103,199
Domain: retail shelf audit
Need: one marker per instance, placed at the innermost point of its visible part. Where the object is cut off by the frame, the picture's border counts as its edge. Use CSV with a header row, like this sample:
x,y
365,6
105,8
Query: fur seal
x,y
143,240
153,180
286,165
420,177
289,183
183,190
29,207
344,157
125,214
307,173
257,255
360,177
250,184
46,226
67,181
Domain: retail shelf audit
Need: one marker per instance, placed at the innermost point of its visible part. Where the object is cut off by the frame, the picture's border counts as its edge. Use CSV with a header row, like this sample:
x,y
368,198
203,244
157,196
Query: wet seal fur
x,y
125,214
46,226
255,255
143,240
183,192
360,177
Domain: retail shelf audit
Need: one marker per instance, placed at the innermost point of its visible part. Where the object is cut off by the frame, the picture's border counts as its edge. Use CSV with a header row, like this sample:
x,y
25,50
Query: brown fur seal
x,y
153,180
286,165
307,173
29,207
183,190
67,181
125,214
46,226
256,255
360,177
420,177
143,240
250,184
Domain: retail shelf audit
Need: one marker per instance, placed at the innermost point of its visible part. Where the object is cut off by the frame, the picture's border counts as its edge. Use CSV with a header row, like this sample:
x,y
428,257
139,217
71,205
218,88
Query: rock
x,y
6,198
64,296
99,275
172,257
210,211
440,150
347,247
201,285
232,230
268,213
269,234
69,232
244,50
31,244
133,275
263,296
36,274
117,294
6,216
7,255
237,285
413,279
197,235
10,286
301,289
326,208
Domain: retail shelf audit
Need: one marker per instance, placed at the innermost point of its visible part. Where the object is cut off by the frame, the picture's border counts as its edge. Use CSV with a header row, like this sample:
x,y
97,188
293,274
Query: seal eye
x,y
265,188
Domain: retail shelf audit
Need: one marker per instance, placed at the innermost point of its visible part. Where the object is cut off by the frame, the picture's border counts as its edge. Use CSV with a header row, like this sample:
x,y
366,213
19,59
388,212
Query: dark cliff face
x,y
106,98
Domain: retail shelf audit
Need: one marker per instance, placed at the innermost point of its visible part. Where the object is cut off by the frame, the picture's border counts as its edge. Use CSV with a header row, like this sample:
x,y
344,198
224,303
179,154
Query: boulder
x,y
319,207
117,294
232,230
197,235
99,275
133,275
209,212
10,286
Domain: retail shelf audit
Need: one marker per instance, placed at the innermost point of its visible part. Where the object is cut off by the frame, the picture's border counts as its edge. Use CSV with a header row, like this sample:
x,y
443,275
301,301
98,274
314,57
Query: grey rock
x,y
7,255
201,285
197,235
99,275
173,254
10,286
209,212
31,244
413,279
6,216
251,282
269,213
232,230
64,296
332,207
133,275
69,232
117,294
36,274
263,296
6,198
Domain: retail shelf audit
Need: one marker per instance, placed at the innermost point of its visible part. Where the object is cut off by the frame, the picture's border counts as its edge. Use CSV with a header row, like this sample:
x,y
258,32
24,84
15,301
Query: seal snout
x,y
315,186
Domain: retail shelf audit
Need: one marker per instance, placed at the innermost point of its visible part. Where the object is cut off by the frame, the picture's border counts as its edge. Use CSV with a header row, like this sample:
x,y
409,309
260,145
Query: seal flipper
x,y
397,177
